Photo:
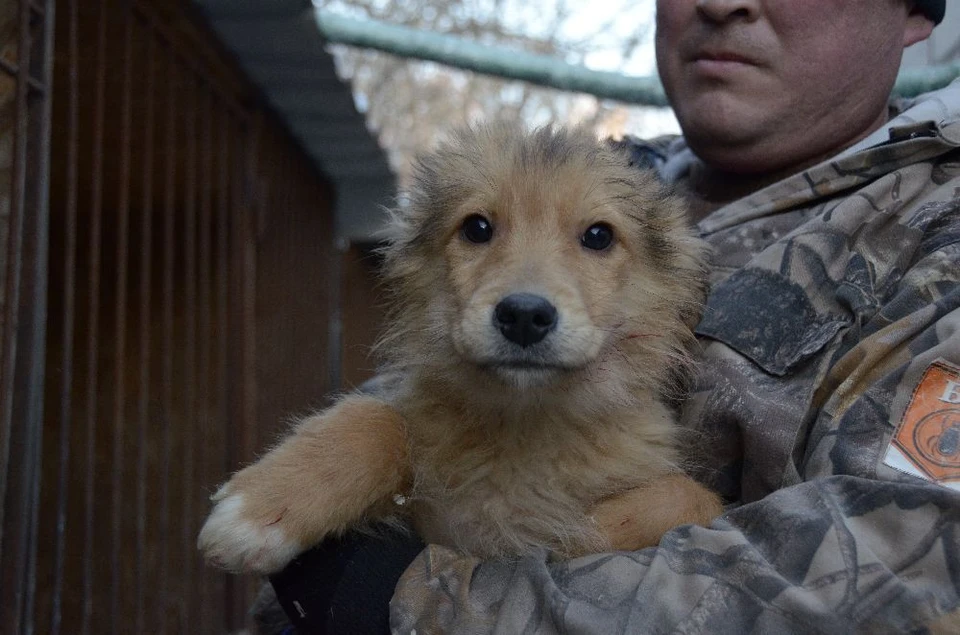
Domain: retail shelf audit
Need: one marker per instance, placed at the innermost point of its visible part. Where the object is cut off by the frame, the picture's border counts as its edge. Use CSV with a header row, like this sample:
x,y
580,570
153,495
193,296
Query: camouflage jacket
x,y
829,398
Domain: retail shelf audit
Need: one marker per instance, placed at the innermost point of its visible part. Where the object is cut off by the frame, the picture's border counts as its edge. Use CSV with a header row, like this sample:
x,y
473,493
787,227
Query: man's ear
x,y
918,27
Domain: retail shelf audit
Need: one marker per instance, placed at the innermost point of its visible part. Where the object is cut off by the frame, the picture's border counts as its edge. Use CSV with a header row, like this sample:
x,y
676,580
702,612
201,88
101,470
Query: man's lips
x,y
723,57
720,63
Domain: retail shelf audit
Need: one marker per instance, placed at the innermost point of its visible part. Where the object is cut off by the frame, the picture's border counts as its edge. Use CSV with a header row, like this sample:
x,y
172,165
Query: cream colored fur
x,y
499,449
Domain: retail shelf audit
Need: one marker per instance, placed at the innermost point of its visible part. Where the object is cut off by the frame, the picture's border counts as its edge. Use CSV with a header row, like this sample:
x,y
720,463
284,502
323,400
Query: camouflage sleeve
x,y
844,542
831,556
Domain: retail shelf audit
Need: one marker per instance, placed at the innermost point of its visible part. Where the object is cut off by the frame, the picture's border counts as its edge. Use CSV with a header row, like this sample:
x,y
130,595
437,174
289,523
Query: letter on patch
x,y
952,392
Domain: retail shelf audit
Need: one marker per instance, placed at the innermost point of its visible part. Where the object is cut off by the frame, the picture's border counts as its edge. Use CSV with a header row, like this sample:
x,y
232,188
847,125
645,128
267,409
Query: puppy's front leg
x,y
639,517
335,469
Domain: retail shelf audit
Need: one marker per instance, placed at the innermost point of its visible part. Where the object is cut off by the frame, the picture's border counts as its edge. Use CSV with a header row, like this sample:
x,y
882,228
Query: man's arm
x,y
847,545
839,554
853,545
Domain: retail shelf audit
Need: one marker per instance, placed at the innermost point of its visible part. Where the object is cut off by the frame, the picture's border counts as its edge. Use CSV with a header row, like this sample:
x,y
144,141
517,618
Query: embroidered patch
x,y
927,442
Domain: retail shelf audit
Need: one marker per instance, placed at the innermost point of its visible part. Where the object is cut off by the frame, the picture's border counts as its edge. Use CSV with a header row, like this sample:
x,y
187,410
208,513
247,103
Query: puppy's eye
x,y
476,229
597,237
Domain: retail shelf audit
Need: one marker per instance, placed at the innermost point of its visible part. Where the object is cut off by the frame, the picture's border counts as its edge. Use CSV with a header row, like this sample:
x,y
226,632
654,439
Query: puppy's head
x,y
536,257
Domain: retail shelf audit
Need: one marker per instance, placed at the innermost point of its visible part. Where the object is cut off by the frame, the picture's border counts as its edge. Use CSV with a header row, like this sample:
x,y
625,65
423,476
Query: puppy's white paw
x,y
232,540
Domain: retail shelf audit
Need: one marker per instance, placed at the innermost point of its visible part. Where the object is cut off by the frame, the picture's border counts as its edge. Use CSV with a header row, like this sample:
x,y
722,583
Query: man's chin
x,y
723,117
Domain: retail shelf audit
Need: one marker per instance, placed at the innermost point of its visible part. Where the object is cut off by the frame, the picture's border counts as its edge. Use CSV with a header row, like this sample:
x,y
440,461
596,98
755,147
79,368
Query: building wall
x,y
192,280
362,303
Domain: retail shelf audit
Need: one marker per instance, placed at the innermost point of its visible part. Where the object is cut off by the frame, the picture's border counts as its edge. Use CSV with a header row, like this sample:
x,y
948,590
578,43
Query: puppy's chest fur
x,y
505,484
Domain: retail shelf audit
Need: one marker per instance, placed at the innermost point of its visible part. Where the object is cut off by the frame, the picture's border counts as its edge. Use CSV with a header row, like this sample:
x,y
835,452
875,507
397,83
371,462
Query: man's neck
x,y
708,188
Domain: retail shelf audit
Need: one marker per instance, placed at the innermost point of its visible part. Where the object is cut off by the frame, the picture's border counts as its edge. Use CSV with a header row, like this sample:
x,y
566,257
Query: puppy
x,y
543,292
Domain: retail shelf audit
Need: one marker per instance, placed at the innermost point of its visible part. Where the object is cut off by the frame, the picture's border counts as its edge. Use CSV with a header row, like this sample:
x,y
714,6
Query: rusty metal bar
x,y
93,313
14,69
170,196
250,202
14,260
30,385
208,421
18,428
221,466
223,271
24,325
9,68
190,356
243,192
69,309
146,258
120,313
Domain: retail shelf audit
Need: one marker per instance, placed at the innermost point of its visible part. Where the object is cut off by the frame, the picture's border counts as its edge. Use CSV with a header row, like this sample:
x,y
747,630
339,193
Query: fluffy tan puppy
x,y
543,293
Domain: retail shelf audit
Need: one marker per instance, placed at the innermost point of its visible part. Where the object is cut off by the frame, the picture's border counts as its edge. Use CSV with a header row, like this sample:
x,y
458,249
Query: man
x,y
829,392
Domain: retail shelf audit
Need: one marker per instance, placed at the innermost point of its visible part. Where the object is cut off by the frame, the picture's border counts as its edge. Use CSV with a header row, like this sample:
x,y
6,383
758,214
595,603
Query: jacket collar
x,y
927,127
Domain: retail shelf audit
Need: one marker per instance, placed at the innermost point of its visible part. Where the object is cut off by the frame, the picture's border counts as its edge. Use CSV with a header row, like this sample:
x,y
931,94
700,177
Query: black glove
x,y
344,585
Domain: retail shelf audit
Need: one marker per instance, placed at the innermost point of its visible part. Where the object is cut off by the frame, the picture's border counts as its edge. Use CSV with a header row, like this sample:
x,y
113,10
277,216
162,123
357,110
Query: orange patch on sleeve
x,y
929,433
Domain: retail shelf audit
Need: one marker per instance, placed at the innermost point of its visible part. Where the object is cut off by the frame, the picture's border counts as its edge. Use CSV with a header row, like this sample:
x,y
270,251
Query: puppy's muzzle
x,y
525,318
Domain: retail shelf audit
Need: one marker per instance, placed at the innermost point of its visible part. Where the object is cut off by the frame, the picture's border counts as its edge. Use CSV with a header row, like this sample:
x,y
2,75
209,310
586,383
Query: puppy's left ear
x,y
615,144
638,154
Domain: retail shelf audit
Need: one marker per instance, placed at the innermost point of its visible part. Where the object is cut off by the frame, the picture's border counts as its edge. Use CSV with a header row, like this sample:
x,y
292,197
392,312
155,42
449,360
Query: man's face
x,y
763,85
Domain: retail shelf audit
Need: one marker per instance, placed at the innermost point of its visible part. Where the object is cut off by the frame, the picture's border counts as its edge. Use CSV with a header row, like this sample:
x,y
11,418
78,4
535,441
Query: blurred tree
x,y
409,103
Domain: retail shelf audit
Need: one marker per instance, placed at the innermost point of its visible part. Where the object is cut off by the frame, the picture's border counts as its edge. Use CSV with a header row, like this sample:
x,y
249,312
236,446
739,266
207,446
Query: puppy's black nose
x,y
524,318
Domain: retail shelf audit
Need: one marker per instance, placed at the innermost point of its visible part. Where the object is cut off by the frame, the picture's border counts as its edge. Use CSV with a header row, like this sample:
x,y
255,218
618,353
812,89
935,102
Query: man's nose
x,y
727,10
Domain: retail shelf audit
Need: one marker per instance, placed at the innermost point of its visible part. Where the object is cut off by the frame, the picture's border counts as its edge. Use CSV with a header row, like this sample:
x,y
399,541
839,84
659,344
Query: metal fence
x,y
136,192
25,91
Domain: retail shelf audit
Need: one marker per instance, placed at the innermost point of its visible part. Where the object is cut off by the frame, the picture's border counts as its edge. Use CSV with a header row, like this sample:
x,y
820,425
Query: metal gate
x,y
25,91
128,311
